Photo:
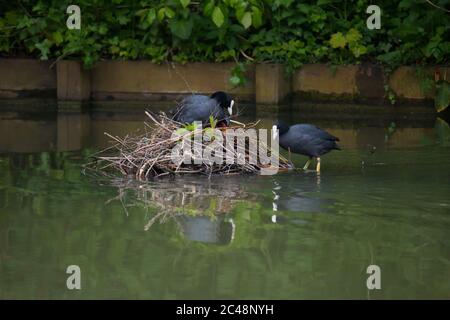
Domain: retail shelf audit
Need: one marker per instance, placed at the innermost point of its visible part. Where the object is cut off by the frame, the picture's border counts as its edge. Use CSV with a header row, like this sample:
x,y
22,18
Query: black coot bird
x,y
305,139
198,107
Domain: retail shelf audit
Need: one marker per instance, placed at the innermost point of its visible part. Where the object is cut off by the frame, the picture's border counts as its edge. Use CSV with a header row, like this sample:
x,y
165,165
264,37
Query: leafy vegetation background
x,y
279,31
283,31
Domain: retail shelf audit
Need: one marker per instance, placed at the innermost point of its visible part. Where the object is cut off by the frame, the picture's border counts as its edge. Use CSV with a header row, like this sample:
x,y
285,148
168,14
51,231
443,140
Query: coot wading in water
x,y
198,107
305,139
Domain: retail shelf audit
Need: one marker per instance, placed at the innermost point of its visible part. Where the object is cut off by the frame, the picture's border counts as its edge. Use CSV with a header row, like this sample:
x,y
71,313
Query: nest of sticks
x,y
149,155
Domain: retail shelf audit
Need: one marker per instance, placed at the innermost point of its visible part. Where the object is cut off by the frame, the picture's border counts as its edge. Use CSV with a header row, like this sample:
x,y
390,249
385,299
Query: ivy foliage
x,y
283,31
279,31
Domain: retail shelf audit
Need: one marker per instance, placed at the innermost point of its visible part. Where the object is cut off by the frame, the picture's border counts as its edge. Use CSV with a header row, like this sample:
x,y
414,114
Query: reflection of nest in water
x,y
181,199
150,155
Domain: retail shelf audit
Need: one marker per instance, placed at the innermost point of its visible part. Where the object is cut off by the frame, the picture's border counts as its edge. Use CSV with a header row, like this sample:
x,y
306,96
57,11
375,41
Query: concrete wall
x,y
324,80
74,83
268,84
26,77
405,82
145,80
363,82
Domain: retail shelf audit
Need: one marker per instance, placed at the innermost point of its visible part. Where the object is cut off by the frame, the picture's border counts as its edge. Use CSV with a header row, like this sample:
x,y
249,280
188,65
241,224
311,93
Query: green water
x,y
290,236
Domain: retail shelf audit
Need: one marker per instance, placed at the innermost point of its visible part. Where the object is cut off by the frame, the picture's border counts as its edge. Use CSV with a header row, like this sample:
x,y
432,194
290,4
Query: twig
x,y
436,6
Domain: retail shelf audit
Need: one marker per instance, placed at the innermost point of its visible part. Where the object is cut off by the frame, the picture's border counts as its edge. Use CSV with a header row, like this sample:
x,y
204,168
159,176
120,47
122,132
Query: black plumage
x,y
200,107
306,139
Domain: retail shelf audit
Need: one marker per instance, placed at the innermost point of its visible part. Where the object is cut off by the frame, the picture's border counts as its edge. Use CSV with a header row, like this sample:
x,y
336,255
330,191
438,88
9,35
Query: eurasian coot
x,y
198,107
305,139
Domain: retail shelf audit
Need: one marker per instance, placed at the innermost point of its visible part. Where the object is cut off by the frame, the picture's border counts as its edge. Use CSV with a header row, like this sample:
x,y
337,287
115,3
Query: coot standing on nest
x,y
198,107
305,139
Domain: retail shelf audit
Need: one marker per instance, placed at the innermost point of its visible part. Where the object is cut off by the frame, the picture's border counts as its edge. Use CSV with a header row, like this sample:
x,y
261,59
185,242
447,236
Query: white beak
x,y
274,132
230,108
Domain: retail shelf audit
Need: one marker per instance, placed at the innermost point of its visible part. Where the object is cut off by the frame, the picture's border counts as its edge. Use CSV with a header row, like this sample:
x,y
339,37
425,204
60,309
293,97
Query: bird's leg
x,y
306,166
318,165
289,149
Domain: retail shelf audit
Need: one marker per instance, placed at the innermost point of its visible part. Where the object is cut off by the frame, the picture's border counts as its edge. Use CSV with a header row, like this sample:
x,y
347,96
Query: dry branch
x,y
149,155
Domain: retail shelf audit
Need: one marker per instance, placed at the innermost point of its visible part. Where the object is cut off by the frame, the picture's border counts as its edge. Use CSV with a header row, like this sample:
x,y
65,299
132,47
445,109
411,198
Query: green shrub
x,y
280,31
284,31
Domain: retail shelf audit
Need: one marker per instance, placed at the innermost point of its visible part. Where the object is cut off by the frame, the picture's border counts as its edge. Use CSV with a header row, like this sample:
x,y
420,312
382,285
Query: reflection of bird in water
x,y
282,220
218,230
214,195
297,195
198,205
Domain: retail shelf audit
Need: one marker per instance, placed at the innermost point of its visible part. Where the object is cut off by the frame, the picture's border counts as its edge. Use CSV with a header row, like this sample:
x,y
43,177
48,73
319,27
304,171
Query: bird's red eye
x,y
222,124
